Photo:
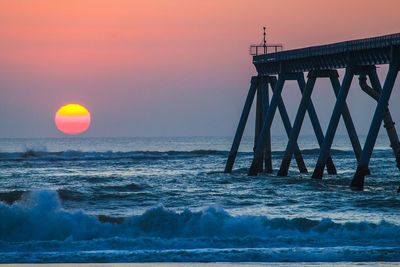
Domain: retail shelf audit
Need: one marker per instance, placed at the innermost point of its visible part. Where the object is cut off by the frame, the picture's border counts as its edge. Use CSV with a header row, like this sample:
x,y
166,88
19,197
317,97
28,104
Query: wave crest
x,y
40,216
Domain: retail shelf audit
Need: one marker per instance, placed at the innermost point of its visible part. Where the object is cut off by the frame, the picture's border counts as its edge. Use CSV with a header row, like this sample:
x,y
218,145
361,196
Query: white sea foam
x,y
51,233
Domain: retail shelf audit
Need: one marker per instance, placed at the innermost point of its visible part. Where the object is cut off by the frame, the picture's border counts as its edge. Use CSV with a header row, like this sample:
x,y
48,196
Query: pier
x,y
274,66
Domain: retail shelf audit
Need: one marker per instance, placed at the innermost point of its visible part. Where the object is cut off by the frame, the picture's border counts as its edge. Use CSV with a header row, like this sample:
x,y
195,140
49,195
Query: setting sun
x,y
72,119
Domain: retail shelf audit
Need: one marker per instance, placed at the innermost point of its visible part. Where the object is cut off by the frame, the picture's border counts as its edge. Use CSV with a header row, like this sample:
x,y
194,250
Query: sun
x,y
72,119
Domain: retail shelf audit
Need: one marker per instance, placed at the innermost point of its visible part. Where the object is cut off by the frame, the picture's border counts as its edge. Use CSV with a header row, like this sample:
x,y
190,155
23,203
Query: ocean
x,y
69,200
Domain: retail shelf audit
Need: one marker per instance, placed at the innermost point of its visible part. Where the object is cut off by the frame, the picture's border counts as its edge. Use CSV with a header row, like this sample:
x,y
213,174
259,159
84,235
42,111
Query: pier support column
x,y
358,179
241,126
267,147
271,81
333,123
262,90
277,102
267,124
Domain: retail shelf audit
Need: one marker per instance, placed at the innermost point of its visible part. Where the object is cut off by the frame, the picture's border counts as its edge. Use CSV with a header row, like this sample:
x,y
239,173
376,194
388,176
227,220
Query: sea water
x,y
167,199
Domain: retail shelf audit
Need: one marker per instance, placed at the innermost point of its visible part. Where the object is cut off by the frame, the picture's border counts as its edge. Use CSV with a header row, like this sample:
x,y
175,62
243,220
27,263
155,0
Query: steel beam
x,y
242,125
267,147
267,124
358,179
259,118
288,128
294,134
333,123
387,117
333,75
348,122
315,122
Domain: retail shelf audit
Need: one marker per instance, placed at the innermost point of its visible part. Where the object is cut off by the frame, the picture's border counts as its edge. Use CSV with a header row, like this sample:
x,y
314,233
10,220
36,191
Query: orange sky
x,y
104,52
96,33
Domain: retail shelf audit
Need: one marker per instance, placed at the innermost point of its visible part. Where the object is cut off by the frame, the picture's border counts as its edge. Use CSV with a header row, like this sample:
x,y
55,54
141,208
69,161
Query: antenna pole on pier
x,y
265,40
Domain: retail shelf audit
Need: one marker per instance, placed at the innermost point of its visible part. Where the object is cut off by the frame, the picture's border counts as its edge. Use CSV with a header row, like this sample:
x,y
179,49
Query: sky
x,y
166,68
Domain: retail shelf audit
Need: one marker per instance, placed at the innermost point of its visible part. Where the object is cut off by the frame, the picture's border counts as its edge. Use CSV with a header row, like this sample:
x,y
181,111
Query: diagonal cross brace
x,y
358,179
263,84
388,123
267,124
262,99
305,105
255,83
275,101
333,123
333,75
314,121
241,125
348,122
288,128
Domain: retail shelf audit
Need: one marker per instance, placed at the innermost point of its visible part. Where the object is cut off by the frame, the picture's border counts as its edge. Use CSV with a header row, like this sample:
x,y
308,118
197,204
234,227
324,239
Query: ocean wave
x,y
65,194
40,216
38,229
142,155
111,254
108,155
315,151
129,187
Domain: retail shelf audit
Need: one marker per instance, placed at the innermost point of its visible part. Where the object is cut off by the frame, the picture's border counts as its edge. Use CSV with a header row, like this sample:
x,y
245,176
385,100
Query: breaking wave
x,y
159,234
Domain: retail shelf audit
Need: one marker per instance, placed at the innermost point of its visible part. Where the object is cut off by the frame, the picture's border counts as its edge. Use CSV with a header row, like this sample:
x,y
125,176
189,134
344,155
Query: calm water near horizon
x,y
166,199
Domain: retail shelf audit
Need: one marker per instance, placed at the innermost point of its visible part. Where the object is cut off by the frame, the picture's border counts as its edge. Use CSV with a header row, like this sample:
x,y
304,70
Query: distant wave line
x,y
31,154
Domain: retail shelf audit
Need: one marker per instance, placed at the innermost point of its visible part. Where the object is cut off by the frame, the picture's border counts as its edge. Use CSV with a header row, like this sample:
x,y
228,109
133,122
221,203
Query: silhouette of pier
x,y
358,58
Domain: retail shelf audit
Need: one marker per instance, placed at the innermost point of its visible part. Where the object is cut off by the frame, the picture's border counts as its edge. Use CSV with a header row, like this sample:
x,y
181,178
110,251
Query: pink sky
x,y
156,67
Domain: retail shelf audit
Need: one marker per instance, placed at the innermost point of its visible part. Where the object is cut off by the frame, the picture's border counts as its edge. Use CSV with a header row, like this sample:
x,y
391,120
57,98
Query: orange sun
x,y
72,119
